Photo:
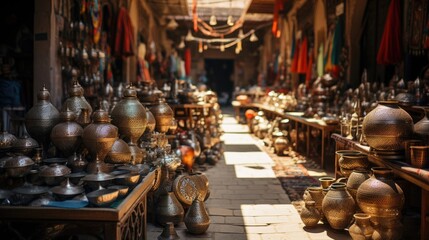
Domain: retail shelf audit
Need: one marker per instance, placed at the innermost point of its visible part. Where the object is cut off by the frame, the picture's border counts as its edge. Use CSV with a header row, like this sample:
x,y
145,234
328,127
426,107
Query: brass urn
x,y
76,101
163,115
387,127
99,136
129,115
41,118
67,135
197,220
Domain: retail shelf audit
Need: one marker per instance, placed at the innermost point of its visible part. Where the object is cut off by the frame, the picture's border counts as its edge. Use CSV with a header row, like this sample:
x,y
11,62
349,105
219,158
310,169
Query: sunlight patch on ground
x,y
234,158
237,139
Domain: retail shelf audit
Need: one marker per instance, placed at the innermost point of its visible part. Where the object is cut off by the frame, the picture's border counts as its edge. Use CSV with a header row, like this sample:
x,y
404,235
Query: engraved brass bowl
x,y
102,197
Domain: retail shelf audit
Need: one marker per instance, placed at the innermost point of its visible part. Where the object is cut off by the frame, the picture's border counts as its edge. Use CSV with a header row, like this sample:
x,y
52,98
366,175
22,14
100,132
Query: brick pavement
x,y
247,200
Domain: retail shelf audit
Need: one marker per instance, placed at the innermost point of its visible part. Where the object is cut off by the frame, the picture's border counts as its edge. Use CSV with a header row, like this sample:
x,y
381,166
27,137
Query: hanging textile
x,y
320,62
292,49
303,57
390,46
96,19
124,41
418,33
278,6
309,71
337,42
320,25
188,61
294,67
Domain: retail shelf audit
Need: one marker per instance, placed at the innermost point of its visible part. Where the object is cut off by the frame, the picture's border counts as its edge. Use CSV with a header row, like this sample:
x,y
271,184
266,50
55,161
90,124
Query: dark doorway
x,y
219,75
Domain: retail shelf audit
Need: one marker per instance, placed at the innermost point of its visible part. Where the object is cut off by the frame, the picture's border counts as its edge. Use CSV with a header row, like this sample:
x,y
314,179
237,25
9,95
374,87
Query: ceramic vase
x,y
309,214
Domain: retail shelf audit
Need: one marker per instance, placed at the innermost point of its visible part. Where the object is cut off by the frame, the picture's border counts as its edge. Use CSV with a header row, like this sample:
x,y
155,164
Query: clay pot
x,y
169,209
361,229
163,115
356,178
387,126
326,182
41,118
314,194
379,196
338,206
390,229
197,220
310,216
129,115
100,135
353,161
67,135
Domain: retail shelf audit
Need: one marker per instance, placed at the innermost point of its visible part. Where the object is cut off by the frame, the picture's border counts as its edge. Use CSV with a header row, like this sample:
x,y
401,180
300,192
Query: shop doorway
x,y
220,78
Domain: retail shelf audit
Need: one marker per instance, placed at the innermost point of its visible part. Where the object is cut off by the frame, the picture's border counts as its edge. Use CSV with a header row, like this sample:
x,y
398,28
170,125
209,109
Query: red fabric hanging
x,y
390,47
303,57
124,41
278,6
188,62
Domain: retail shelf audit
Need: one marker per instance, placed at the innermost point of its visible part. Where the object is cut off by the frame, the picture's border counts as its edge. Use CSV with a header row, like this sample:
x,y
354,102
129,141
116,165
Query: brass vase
x,y
387,126
163,115
169,209
67,135
129,115
76,102
41,118
380,197
309,214
197,220
338,206
361,229
356,178
99,137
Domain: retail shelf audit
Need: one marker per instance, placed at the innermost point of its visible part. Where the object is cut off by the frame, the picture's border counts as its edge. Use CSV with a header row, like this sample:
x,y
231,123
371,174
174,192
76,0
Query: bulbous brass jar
x,y
7,141
421,128
197,220
387,126
129,115
120,153
41,118
151,122
99,136
163,115
76,101
356,178
338,206
169,209
67,135
379,196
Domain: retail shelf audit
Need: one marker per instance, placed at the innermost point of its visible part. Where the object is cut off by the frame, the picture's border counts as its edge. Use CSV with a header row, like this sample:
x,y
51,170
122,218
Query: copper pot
x,y
18,166
129,115
67,135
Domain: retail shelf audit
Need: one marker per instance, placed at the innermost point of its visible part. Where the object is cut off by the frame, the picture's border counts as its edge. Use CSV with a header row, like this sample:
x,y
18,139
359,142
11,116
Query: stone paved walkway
x,y
247,200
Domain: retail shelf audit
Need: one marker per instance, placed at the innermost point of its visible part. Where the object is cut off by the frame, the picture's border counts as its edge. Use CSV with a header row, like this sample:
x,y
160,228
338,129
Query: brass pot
x,y
163,115
387,126
379,196
7,141
151,122
18,166
197,220
129,115
356,178
421,128
120,153
77,163
77,103
309,214
338,206
100,135
54,174
41,118
67,135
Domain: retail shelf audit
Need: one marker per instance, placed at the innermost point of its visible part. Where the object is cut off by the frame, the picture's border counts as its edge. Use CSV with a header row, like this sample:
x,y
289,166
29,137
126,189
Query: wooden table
x,y
126,221
344,143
